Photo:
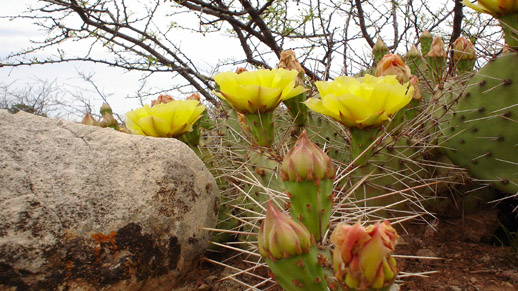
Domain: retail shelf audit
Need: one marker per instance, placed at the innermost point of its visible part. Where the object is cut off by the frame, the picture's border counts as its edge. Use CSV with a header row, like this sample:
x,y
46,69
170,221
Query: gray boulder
x,y
87,208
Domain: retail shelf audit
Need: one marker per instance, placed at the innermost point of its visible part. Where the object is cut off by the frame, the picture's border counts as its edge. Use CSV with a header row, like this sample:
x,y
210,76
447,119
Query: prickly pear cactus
x,y
482,136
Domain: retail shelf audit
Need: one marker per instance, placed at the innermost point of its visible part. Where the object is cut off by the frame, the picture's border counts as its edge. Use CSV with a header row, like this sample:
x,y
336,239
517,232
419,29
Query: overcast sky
x,y
118,84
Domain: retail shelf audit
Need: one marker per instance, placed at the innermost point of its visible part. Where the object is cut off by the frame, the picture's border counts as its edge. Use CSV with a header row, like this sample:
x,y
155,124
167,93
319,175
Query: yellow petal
x,y
260,98
133,126
477,7
357,106
374,119
238,102
153,126
371,257
317,105
133,117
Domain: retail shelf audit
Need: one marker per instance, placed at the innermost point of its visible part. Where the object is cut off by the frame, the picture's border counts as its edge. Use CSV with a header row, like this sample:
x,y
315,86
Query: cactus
x,y
426,42
482,135
290,252
402,169
379,50
308,175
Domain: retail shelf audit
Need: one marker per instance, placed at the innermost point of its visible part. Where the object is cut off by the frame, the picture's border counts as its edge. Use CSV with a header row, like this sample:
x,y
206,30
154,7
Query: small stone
x,y
210,279
204,287
485,258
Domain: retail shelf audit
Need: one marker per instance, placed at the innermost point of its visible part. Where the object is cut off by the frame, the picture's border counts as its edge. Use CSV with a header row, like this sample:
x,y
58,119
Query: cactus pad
x,y
483,133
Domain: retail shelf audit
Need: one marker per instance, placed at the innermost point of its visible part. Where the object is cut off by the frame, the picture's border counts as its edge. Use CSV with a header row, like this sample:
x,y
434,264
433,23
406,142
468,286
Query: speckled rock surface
x,y
87,208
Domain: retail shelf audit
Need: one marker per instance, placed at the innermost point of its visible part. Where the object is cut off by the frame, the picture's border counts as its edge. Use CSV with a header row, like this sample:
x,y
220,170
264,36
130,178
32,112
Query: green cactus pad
x,y
300,272
311,204
483,133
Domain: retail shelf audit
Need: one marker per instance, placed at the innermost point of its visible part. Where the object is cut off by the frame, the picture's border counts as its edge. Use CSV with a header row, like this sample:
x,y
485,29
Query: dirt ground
x,y
467,257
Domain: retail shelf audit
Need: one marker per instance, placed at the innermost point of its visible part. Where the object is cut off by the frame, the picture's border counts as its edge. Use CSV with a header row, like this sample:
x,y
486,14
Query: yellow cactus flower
x,y
497,8
361,102
166,119
257,91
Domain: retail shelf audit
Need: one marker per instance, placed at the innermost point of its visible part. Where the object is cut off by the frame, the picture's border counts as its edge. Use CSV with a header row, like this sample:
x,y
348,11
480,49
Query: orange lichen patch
x,y
106,240
69,267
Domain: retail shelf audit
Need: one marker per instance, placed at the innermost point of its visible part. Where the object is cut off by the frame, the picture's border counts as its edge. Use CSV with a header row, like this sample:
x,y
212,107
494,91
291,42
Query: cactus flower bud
x,y
194,96
379,50
413,52
89,120
289,61
282,237
414,59
414,81
437,48
464,55
392,64
241,70
362,259
296,109
162,98
109,121
463,49
436,58
426,41
306,161
105,108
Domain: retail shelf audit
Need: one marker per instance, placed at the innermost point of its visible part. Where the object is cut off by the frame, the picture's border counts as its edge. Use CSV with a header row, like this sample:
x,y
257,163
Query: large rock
x,y
86,208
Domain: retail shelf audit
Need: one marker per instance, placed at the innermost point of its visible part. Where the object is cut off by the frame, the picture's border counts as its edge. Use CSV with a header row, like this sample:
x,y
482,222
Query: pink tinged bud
x,y
289,61
105,108
413,52
380,46
379,50
241,70
89,120
425,39
109,121
437,49
194,96
414,82
162,98
463,49
392,64
306,162
282,237
363,255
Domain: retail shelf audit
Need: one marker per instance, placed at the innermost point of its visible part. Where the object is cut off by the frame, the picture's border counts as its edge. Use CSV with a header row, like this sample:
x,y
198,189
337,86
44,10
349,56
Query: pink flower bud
x,y
109,121
162,98
362,255
414,81
437,48
289,61
105,108
392,64
463,49
306,161
282,237
89,120
194,96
